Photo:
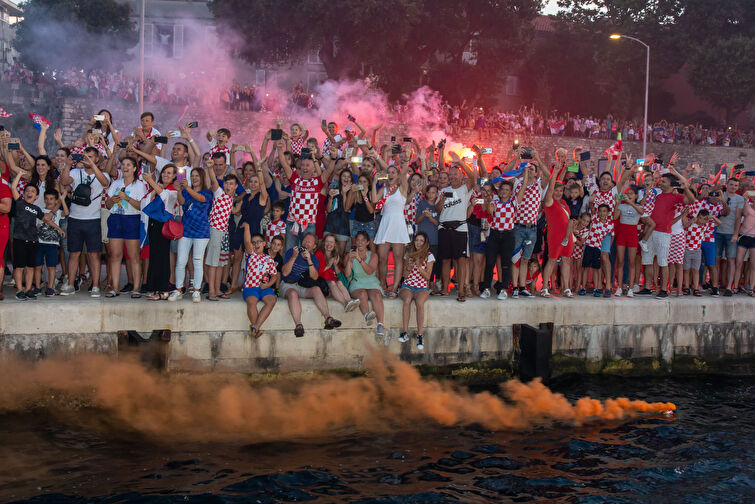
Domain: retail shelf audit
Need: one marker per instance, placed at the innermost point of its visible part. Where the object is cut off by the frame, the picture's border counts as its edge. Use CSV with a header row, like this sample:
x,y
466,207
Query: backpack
x,y
82,195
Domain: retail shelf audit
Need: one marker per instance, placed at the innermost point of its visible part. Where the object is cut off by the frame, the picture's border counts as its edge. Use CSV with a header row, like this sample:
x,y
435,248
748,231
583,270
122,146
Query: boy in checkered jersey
x,y
601,226
219,143
276,226
260,276
696,229
222,204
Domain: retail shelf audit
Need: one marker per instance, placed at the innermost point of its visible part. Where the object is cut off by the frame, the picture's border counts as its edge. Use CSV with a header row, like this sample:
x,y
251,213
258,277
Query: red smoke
x,y
215,407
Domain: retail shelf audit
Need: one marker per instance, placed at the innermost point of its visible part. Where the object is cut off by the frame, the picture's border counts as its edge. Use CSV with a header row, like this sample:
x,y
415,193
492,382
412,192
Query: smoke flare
x,y
218,407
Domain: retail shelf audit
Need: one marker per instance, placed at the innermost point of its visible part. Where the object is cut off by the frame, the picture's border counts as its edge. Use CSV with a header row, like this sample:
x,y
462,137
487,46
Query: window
x,y
313,57
259,79
178,41
149,30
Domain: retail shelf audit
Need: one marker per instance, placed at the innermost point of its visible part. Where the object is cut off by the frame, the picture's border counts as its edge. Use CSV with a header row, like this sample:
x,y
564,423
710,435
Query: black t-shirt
x,y
25,222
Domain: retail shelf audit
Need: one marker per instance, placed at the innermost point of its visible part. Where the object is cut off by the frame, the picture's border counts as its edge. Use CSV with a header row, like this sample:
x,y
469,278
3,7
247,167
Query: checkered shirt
x,y
715,211
258,266
225,150
529,208
648,204
277,228
601,197
21,184
297,144
410,208
676,250
598,231
578,251
415,278
222,205
695,234
305,195
504,215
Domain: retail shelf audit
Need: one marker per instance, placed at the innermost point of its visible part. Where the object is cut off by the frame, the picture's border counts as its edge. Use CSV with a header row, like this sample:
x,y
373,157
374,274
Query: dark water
x,y
705,455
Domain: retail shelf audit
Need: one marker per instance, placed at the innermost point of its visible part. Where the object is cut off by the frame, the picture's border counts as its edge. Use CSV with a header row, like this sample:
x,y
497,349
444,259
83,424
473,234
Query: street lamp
x,y
617,36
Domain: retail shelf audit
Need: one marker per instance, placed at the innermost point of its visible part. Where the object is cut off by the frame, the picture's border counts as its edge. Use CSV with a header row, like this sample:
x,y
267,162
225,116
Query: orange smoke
x,y
217,407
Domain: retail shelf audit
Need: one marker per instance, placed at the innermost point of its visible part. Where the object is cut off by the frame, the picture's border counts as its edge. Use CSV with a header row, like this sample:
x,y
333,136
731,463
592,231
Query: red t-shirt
x,y
4,193
663,213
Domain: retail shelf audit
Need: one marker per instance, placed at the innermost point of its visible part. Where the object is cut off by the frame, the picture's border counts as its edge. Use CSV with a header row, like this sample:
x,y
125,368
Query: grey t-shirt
x,y
735,203
25,221
628,214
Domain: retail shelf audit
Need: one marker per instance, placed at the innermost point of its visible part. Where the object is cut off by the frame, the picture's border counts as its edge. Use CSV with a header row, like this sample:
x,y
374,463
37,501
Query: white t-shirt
x,y
135,190
91,212
161,162
455,207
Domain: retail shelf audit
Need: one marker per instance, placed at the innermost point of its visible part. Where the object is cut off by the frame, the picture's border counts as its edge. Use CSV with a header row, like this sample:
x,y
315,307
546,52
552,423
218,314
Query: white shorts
x,y
658,246
104,214
214,247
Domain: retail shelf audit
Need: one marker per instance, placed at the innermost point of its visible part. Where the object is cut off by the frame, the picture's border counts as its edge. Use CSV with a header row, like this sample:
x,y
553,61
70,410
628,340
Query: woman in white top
x,y
392,233
124,202
158,265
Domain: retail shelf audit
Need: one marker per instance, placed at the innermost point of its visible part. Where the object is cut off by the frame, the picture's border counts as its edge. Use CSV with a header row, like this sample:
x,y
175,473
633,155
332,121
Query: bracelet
x,y
191,140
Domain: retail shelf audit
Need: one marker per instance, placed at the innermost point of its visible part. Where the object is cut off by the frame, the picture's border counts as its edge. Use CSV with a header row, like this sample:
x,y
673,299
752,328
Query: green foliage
x,y
711,74
56,34
397,41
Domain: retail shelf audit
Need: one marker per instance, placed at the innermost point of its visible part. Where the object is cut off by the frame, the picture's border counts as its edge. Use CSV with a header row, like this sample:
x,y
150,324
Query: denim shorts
x,y
723,242
413,290
605,245
368,227
125,227
525,238
476,245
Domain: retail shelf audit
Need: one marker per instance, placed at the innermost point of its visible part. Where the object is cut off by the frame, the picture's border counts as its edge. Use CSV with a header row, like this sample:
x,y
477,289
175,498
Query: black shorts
x,y
24,253
591,258
452,244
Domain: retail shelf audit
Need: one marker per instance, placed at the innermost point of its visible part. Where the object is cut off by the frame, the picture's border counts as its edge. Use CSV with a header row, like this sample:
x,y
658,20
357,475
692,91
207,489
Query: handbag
x,y
173,230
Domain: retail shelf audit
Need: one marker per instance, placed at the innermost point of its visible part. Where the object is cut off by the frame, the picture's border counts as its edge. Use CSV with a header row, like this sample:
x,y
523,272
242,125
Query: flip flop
x,y
212,298
224,296
136,294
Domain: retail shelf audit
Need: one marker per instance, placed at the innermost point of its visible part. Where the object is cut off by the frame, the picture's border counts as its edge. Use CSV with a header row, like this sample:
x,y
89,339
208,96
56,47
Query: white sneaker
x,y
95,292
630,293
369,317
351,305
644,245
420,343
503,295
175,295
544,292
568,293
636,288
485,294
380,330
618,292
67,290
196,296
403,338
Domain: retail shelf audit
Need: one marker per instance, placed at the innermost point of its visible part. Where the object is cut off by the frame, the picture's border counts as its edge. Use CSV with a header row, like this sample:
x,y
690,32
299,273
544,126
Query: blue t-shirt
x,y
196,219
299,267
426,225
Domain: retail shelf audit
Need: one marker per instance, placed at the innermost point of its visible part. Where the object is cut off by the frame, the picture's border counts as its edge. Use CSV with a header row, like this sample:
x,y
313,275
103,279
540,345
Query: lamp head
x,y
615,36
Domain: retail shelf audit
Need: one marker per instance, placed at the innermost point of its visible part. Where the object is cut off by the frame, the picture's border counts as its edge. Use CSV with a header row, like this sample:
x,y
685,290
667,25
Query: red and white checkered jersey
x,y
258,266
529,208
410,208
152,133
648,204
578,251
225,150
695,234
273,229
601,197
222,204
305,194
714,210
676,249
504,215
22,183
297,144
415,278
598,231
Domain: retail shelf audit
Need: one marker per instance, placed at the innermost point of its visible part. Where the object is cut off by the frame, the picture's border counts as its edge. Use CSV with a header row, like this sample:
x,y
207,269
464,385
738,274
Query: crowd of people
x,y
534,122
357,220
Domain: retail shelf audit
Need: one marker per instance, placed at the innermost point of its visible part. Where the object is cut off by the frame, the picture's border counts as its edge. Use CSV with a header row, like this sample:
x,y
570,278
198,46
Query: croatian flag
x,y
614,151
39,120
182,114
557,128
3,113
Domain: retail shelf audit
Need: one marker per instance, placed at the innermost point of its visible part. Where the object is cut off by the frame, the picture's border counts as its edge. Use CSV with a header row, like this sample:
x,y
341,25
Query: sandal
x,y
698,293
212,298
299,331
461,298
111,294
136,294
390,294
153,296
224,295
331,323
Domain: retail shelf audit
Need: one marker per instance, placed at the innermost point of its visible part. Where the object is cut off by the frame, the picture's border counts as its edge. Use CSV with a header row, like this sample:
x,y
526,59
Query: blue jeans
x,y
525,237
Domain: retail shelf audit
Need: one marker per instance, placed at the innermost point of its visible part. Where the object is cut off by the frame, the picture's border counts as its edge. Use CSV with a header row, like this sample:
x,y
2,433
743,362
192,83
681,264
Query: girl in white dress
x,y
392,233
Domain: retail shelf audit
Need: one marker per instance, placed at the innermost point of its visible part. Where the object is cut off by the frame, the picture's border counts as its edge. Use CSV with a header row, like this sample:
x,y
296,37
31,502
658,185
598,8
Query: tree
x,y
712,74
56,34
392,39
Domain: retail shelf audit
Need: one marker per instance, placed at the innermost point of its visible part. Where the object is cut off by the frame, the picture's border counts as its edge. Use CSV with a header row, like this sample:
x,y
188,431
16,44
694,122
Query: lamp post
x,y
141,61
617,36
